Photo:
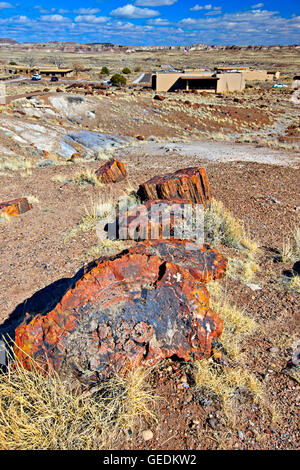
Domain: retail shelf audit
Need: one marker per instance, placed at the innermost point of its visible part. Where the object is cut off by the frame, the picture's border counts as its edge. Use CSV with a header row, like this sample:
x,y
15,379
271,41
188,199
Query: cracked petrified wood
x,y
111,172
134,309
15,207
203,263
188,184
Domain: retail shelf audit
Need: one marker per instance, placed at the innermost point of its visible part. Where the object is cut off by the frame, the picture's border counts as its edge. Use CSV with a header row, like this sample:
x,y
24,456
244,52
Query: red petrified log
x,y
134,309
111,172
15,207
188,184
203,263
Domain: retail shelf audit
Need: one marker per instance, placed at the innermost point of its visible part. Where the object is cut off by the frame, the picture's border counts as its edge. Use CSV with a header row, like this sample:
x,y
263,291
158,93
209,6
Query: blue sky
x,y
165,22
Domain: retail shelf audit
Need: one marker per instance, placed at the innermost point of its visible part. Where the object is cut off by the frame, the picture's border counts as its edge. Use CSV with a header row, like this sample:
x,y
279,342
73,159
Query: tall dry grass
x,y
40,411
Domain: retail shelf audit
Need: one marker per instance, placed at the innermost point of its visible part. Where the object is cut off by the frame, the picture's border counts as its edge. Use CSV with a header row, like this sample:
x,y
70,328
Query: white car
x,y
36,76
279,85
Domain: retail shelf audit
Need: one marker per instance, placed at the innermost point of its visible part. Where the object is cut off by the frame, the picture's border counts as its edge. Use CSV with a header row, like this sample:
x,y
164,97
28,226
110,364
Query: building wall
x,y
259,75
230,82
226,82
164,81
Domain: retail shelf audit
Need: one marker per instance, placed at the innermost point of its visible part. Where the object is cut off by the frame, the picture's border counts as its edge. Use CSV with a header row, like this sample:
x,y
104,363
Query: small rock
x,y
147,435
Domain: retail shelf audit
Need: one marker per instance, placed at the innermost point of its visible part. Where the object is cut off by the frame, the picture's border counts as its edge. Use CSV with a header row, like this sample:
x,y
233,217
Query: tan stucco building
x,y
251,74
203,81
44,71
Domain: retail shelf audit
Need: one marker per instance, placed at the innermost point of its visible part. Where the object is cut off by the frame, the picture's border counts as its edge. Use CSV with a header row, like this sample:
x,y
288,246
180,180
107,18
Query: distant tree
x,y
118,79
29,60
104,71
12,63
78,67
57,60
126,70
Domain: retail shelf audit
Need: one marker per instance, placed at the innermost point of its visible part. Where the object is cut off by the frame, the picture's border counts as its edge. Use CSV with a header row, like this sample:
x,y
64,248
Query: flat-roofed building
x,y
251,74
202,81
44,71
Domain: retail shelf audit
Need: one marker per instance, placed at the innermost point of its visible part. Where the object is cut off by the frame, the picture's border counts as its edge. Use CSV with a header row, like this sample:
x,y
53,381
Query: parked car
x,y
36,76
279,85
106,81
54,78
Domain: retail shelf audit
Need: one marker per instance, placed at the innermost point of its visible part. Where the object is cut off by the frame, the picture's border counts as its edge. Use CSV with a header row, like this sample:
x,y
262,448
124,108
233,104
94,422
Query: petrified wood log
x,y
188,184
15,207
111,172
129,310
203,263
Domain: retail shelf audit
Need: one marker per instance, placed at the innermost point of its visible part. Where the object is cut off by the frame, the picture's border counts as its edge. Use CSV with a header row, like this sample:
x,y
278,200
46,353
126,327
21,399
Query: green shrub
x,y
126,70
12,63
118,79
104,71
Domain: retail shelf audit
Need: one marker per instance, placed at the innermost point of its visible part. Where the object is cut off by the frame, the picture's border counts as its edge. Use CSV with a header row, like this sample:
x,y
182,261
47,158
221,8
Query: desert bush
x,y
126,70
137,69
118,80
104,71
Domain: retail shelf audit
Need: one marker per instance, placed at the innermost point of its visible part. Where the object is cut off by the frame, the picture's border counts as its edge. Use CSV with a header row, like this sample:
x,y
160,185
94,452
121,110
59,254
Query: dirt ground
x,y
249,146
34,254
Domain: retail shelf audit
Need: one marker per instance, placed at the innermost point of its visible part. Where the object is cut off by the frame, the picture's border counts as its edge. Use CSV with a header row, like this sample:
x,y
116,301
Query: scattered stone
x,y
74,157
111,172
15,207
189,184
147,435
140,137
159,98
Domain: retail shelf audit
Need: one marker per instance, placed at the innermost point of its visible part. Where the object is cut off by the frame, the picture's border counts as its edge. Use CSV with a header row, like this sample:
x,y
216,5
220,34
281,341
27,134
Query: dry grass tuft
x,y
294,284
106,247
290,251
38,411
237,325
243,269
222,227
86,177
224,381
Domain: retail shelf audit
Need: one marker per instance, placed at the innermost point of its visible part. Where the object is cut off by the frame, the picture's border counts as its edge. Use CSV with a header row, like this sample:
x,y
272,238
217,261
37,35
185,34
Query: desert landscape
x,y
132,343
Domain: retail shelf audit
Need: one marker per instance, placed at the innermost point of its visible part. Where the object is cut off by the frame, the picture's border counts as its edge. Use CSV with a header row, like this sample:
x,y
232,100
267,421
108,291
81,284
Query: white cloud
x,y
130,11
4,5
87,11
90,19
201,7
154,3
159,22
54,18
258,5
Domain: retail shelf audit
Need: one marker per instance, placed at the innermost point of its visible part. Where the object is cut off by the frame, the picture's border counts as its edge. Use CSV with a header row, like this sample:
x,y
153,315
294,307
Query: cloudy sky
x,y
165,22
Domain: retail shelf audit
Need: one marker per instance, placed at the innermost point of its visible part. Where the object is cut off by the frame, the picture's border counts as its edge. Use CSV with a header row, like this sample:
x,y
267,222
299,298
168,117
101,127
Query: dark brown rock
x,y
189,184
159,97
111,172
15,207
